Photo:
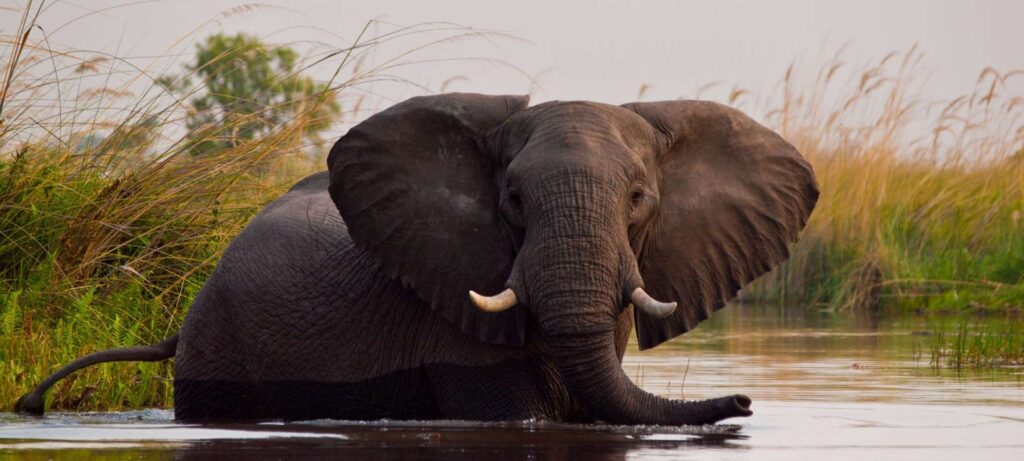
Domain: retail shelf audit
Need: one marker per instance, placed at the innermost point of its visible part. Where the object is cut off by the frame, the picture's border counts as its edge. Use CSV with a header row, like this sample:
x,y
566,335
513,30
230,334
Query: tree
x,y
248,90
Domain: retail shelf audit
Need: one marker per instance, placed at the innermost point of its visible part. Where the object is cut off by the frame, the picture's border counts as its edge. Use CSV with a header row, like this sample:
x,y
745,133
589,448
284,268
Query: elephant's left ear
x,y
734,195
416,187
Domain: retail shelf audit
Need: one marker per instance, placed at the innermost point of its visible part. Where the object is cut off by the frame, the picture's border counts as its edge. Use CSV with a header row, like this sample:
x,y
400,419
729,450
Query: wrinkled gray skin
x,y
572,205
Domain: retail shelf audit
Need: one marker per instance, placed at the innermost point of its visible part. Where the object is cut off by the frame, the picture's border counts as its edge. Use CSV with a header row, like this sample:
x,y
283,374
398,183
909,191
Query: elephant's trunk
x,y
576,302
592,374
576,272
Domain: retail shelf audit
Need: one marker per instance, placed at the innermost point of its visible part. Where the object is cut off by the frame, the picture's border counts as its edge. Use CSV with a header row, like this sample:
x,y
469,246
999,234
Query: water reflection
x,y
105,436
780,354
824,386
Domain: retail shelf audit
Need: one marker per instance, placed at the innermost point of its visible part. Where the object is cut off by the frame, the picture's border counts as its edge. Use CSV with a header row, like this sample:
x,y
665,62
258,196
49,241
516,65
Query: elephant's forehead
x,y
583,118
583,134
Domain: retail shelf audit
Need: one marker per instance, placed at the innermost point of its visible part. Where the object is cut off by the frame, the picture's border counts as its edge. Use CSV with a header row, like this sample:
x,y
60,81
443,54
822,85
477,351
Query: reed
x,y
973,344
921,202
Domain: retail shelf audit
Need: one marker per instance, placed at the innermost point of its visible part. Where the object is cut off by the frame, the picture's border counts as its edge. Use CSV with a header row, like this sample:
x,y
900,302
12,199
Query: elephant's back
x,y
314,183
295,312
271,273
271,334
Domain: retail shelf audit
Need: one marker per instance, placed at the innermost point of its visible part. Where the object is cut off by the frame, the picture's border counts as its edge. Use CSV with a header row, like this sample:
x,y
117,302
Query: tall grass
x,y
921,202
109,225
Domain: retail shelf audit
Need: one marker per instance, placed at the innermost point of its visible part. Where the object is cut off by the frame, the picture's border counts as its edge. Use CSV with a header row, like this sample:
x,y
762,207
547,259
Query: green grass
x,y
965,343
92,260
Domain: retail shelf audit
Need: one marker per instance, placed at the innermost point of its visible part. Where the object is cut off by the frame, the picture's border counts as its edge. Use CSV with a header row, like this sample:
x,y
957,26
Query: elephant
x,y
471,257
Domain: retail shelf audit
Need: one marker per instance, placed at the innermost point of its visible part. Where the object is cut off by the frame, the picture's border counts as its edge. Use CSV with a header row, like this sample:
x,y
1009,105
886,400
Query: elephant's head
x,y
572,211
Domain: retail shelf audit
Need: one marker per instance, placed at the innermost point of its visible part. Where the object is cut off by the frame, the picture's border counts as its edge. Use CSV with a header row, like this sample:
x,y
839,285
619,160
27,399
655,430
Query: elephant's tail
x,y
33,402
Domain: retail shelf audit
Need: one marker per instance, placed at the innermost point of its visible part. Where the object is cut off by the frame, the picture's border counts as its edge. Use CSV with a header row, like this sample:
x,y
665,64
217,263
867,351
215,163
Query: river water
x,y
825,386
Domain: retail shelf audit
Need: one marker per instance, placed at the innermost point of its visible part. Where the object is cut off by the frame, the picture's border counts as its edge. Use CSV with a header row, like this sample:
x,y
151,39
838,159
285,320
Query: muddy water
x,y
824,387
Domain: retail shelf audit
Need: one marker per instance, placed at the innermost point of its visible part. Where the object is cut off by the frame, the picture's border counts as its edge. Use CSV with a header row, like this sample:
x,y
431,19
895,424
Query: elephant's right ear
x,y
734,196
416,188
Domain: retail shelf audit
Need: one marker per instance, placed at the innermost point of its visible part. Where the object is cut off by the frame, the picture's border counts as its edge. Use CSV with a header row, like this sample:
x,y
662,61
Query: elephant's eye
x,y
513,208
636,198
515,202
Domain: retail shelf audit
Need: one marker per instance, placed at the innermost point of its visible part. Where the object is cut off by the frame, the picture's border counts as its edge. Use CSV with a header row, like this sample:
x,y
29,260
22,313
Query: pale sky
x,y
596,50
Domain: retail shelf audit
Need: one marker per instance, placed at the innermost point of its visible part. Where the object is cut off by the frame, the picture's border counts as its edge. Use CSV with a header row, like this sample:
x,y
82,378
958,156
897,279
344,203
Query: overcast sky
x,y
597,50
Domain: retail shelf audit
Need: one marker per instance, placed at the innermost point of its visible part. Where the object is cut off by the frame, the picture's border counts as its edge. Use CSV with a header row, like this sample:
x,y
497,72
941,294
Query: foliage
x,y
248,89
91,259
108,229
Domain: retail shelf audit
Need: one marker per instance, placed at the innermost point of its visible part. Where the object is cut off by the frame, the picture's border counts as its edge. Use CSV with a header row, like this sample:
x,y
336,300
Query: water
x,y
824,386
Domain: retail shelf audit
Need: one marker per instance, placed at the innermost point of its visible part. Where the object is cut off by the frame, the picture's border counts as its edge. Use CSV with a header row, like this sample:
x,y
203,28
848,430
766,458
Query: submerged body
x,y
368,351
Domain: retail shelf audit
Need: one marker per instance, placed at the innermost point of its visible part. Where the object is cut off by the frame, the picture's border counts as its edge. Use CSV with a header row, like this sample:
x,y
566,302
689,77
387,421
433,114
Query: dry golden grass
x,y
921,202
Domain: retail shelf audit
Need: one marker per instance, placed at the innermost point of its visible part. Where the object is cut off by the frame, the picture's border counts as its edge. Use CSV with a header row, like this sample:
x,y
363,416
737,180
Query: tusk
x,y
500,302
651,306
